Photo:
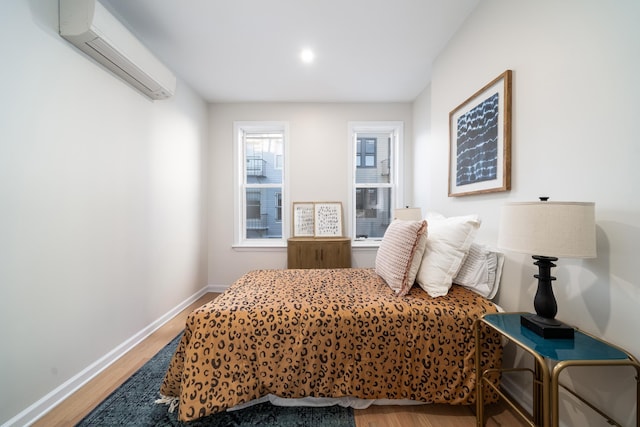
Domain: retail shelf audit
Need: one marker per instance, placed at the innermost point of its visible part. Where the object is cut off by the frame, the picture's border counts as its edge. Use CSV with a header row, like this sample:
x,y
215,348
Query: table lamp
x,y
548,230
408,214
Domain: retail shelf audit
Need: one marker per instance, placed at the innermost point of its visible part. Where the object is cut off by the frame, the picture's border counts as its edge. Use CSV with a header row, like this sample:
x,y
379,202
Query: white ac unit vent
x,y
89,26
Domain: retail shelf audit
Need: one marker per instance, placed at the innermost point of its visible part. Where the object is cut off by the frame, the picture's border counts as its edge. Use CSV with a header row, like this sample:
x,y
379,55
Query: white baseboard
x,y
217,288
521,395
52,399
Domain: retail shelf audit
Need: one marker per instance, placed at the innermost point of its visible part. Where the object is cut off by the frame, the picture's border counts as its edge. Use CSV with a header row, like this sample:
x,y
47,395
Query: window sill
x,y
372,244
366,244
255,247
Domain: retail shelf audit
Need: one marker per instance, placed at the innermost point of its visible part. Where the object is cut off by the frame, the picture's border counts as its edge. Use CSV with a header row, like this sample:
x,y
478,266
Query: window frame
x,y
239,165
396,131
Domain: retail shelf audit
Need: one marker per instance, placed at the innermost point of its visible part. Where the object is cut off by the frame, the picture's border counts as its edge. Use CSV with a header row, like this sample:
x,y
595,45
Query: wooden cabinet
x,y
309,252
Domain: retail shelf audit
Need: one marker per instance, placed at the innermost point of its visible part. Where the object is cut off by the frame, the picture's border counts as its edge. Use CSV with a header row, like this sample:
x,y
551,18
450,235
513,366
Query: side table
x,y
582,350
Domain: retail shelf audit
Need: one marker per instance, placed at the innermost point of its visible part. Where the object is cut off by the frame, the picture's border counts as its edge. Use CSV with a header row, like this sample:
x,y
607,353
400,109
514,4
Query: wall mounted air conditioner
x,y
89,26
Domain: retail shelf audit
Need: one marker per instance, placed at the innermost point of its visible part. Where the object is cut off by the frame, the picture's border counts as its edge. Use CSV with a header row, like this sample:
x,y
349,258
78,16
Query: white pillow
x,y
400,253
481,270
448,243
496,283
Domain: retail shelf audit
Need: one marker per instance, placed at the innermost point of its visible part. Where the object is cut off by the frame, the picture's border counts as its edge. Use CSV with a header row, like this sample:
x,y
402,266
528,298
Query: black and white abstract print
x,y
477,143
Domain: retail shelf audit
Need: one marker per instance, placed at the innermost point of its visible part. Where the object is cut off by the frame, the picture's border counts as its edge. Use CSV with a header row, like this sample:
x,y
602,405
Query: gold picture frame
x,y
328,219
303,219
480,140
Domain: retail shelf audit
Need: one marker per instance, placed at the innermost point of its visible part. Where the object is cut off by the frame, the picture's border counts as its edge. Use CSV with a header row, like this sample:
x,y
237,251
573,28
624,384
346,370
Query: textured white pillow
x,y
400,253
481,270
421,246
448,243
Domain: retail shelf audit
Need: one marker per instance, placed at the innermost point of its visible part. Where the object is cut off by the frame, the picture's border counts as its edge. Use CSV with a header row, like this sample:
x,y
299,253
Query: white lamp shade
x,y
553,229
408,214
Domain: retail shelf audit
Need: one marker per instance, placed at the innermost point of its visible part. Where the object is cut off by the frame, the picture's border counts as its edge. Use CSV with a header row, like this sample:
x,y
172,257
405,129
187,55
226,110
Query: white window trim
x,y
395,127
240,240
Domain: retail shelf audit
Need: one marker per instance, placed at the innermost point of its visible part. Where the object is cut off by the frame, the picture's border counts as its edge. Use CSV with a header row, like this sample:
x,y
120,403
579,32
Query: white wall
x,y
319,170
102,207
575,111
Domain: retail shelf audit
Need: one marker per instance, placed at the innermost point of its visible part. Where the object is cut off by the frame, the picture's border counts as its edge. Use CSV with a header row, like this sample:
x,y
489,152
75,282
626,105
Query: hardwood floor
x,y
75,407
498,414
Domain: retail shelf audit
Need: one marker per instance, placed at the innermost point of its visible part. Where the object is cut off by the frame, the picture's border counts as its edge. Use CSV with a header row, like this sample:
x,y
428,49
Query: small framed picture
x,y
303,219
480,141
328,219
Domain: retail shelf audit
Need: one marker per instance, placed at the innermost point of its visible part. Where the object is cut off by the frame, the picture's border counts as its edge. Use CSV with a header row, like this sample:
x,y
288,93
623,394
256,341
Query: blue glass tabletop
x,y
581,347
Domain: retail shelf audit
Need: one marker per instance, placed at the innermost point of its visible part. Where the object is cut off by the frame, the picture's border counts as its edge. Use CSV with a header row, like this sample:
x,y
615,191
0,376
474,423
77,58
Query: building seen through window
x,y
375,182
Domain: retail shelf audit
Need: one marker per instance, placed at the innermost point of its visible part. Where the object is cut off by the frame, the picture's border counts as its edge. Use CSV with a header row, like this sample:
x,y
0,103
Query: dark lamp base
x,y
546,328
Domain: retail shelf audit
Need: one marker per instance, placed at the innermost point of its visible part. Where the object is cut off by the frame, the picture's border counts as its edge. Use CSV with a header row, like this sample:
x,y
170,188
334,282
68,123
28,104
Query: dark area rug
x,y
133,404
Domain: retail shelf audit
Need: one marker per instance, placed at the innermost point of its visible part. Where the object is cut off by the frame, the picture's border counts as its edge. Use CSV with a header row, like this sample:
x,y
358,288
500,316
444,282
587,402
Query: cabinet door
x,y
302,254
310,255
335,254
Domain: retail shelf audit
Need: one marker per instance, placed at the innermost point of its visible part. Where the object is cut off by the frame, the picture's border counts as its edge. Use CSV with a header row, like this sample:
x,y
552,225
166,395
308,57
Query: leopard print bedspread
x,y
327,333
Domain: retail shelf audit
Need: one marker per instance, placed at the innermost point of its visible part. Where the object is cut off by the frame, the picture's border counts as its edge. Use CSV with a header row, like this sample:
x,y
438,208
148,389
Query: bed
x,y
344,334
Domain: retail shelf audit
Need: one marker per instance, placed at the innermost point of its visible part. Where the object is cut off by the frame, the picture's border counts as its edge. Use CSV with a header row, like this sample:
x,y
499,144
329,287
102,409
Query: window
x,y
366,152
376,152
260,150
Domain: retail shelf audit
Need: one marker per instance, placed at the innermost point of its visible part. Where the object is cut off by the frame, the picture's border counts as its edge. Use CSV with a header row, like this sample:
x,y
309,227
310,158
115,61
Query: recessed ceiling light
x,y
307,56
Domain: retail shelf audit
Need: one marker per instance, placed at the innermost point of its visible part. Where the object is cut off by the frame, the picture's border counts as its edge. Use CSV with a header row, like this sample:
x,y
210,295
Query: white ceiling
x,y
248,50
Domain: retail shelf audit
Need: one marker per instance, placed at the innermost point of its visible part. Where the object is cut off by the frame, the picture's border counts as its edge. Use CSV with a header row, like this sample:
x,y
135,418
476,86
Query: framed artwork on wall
x,y
480,141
